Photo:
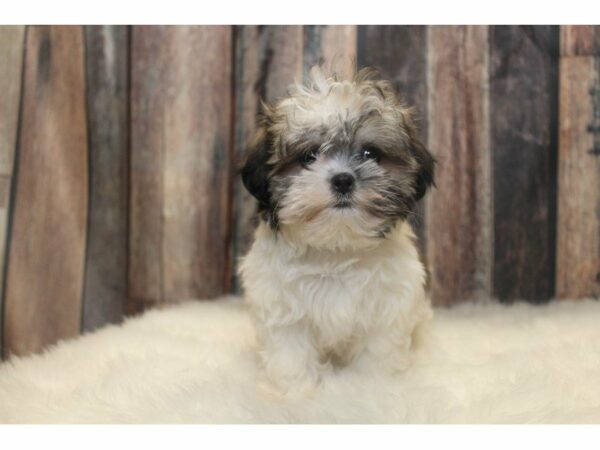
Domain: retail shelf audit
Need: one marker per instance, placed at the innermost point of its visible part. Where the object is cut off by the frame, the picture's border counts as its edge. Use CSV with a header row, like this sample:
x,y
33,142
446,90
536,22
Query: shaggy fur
x,y
196,362
334,277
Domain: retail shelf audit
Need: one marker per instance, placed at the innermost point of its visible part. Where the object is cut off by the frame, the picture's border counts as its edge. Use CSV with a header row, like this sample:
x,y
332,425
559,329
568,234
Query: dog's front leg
x,y
290,359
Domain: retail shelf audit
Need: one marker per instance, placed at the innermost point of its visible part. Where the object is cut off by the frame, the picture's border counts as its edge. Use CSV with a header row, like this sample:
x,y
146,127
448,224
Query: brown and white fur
x,y
333,276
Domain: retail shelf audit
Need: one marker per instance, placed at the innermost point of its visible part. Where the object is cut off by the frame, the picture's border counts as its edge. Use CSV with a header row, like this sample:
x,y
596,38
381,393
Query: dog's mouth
x,y
343,203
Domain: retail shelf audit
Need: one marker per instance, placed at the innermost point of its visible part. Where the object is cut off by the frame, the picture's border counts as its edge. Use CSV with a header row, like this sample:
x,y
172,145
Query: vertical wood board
x,y
180,163
459,210
578,227
107,105
524,100
46,255
580,40
282,62
334,45
11,55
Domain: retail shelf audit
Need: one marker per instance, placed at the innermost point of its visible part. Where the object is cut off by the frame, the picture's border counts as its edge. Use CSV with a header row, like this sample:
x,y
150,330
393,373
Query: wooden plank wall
x,y
459,210
44,282
119,150
181,83
105,291
524,65
578,244
11,53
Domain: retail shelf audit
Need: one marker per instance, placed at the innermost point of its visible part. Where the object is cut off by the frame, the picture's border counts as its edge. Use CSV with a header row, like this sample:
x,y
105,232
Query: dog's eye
x,y
370,152
311,156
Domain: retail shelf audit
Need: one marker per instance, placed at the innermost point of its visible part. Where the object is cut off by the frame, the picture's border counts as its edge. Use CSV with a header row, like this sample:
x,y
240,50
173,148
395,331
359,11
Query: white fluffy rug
x,y
195,363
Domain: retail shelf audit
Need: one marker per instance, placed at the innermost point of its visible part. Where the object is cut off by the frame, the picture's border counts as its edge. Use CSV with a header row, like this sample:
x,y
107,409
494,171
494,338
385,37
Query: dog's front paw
x,y
291,377
290,361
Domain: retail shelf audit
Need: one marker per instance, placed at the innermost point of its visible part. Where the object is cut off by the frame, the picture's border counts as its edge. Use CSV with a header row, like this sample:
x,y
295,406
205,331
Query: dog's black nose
x,y
343,182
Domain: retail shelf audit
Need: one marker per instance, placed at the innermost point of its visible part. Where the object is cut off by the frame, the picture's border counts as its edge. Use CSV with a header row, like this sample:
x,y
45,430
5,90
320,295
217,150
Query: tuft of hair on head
x,y
339,68
319,79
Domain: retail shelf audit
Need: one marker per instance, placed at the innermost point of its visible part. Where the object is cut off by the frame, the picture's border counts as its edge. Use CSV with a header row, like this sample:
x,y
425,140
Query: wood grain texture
x,y
11,55
105,289
249,54
265,66
399,53
578,227
282,62
459,210
580,40
335,45
46,255
524,99
180,163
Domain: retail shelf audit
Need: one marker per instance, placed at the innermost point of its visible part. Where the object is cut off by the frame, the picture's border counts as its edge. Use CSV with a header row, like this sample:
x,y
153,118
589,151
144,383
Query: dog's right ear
x,y
255,170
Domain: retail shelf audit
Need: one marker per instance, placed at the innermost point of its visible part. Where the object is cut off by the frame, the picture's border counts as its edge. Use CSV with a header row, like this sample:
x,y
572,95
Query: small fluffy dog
x,y
333,276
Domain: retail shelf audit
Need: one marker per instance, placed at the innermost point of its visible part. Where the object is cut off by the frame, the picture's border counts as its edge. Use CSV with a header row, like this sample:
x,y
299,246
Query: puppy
x,y
333,276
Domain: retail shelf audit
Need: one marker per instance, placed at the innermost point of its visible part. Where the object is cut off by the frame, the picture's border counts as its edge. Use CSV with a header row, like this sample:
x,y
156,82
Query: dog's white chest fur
x,y
313,307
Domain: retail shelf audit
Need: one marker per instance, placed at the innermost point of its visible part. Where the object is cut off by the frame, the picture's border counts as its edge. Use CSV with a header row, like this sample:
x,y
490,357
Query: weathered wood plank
x,y
580,40
46,255
247,88
578,228
11,55
458,212
265,66
180,163
524,99
399,53
282,61
105,284
336,45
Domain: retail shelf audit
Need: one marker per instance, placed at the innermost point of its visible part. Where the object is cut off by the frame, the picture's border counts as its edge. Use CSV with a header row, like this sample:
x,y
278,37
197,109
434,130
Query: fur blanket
x,y
194,362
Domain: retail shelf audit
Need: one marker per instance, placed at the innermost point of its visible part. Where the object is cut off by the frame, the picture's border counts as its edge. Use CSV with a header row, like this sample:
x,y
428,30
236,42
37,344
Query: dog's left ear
x,y
426,162
255,169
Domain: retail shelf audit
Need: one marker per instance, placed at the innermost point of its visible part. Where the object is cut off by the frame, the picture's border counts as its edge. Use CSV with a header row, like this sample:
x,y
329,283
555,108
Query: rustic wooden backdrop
x,y
119,146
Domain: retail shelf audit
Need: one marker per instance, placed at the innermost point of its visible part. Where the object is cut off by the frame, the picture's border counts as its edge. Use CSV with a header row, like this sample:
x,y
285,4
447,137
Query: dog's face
x,y
337,164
